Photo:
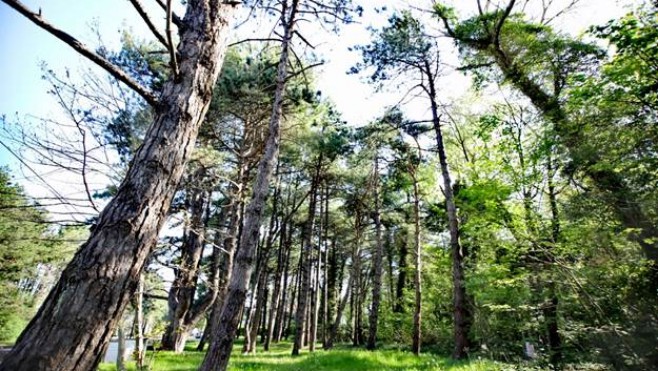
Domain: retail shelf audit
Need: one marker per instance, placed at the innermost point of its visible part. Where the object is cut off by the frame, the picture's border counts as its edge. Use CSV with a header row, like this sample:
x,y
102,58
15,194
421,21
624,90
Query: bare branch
x,y
170,42
174,18
255,40
78,46
149,23
501,21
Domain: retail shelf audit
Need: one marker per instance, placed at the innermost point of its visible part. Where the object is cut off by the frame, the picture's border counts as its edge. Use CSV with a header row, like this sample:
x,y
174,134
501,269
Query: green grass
x,y
342,358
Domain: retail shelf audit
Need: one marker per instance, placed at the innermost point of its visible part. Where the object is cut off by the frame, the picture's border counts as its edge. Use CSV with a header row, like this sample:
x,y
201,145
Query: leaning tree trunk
x,y
222,343
461,310
377,265
584,154
73,326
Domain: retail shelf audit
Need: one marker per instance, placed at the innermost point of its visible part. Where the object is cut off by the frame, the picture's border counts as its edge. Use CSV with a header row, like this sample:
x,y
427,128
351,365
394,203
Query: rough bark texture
x,y
377,265
222,344
74,325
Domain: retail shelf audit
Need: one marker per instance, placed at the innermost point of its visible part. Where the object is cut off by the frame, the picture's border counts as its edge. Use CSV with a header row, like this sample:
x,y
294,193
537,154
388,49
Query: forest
x,y
222,211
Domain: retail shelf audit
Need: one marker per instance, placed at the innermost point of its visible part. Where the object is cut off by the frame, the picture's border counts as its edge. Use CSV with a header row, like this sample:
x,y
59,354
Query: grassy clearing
x,y
343,358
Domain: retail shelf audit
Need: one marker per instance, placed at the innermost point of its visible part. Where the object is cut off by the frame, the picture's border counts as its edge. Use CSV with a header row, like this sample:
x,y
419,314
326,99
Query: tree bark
x,y
121,348
462,313
74,325
220,350
276,294
305,272
418,298
550,308
184,287
401,283
377,263
139,324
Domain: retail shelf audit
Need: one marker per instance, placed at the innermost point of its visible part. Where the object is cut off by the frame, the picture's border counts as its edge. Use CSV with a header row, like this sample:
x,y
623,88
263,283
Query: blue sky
x,y
25,46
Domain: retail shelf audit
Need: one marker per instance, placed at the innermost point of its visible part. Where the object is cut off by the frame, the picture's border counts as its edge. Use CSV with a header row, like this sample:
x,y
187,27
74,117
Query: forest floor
x,y
341,358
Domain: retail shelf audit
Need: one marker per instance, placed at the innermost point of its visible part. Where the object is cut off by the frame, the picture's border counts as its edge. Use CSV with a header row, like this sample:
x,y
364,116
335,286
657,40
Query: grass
x,y
341,358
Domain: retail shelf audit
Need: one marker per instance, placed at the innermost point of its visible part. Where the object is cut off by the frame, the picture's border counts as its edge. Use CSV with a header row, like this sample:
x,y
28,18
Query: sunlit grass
x,y
342,358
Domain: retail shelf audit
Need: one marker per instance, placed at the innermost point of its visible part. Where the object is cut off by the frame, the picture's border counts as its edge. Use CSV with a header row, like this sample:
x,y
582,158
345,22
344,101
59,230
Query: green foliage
x,y
400,46
28,251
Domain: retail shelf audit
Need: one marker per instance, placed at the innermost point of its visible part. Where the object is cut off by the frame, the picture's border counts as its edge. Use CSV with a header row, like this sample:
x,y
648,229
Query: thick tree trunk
x,y
74,325
377,265
220,350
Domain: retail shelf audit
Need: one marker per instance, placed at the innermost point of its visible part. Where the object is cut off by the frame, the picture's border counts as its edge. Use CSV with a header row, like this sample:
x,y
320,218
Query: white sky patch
x,y
23,92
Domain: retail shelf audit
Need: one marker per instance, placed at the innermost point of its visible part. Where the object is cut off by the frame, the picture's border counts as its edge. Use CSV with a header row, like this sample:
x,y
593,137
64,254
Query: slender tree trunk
x,y
121,348
281,311
462,314
220,350
550,308
305,273
377,264
587,157
139,324
402,269
416,341
356,283
389,249
252,329
315,291
339,314
183,289
75,323
274,307
325,286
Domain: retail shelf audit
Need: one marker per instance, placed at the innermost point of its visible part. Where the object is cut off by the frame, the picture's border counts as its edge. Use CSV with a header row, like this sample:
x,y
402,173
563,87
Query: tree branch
x,y
174,18
149,23
170,42
501,21
81,48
